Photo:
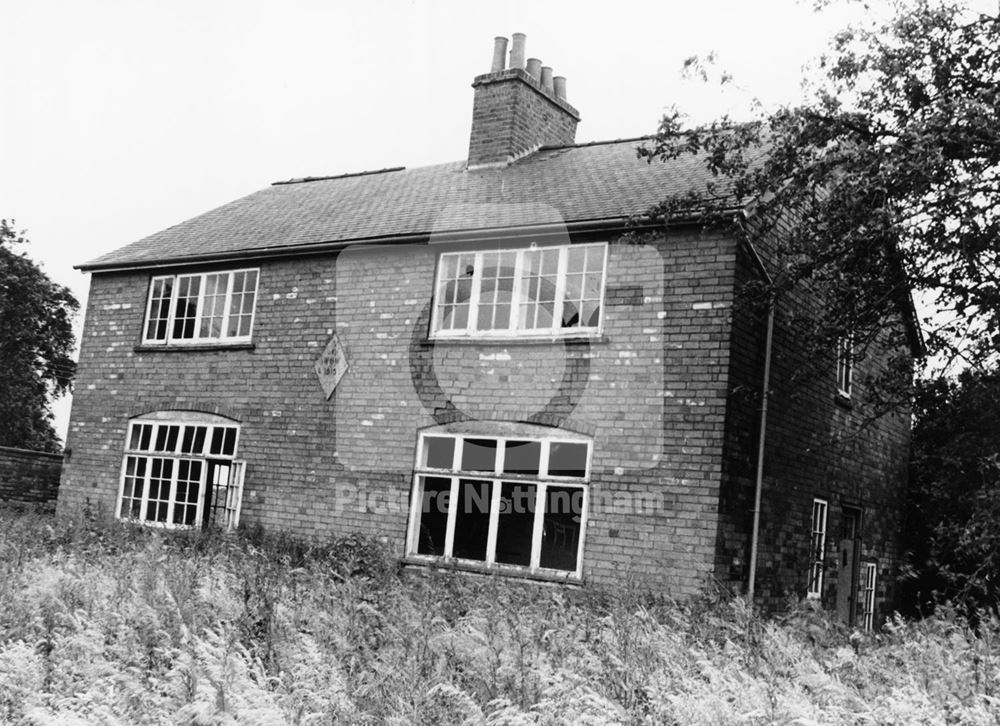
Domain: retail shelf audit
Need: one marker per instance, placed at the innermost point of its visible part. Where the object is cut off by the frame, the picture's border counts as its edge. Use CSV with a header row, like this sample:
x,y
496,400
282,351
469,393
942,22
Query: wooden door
x,y
849,558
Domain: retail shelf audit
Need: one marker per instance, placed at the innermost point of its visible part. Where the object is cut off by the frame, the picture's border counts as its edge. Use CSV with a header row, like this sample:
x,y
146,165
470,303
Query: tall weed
x,y
103,623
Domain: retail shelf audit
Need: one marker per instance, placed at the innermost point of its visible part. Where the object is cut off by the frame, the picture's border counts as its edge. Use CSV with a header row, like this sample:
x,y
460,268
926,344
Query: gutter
x,y
762,434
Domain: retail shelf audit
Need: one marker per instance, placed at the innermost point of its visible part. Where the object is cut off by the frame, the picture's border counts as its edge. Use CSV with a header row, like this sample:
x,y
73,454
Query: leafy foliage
x,y
104,623
36,346
887,177
954,528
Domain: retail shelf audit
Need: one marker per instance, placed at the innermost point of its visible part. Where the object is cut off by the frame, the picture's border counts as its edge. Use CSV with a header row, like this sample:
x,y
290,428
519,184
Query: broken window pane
x,y
561,527
568,459
522,457
472,521
479,455
515,523
433,515
439,452
186,308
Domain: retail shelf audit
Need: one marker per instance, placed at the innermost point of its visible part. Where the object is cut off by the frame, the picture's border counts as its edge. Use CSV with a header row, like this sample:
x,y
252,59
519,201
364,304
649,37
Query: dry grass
x,y
105,624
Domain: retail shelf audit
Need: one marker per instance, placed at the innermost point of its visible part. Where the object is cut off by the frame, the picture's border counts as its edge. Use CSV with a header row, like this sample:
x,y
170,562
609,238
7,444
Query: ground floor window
x,y
180,470
869,572
817,549
517,501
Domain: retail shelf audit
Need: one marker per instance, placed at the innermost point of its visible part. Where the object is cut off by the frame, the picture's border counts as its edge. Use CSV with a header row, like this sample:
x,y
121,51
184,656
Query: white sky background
x,y
119,118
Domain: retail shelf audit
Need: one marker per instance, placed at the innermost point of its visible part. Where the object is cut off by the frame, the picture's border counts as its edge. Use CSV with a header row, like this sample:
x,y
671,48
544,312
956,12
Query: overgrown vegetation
x,y
105,624
882,181
953,533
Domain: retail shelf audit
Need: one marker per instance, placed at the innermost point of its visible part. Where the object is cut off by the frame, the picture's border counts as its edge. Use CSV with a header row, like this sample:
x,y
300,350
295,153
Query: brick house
x,y
474,362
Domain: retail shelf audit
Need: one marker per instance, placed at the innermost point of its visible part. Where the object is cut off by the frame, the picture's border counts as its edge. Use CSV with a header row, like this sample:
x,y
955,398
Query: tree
x,y
36,346
887,178
953,532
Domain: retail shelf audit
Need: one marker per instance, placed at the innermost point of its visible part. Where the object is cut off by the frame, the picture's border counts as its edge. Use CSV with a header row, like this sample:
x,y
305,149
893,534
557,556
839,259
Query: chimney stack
x,y
518,108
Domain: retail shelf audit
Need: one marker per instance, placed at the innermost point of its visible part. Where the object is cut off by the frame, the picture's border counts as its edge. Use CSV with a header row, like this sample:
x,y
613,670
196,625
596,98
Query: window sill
x,y
843,400
163,526
435,563
200,347
509,341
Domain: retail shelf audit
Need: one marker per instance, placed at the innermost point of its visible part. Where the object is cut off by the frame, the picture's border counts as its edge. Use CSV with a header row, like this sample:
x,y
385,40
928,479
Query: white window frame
x,y
230,508
845,365
518,296
817,548
868,595
496,478
198,338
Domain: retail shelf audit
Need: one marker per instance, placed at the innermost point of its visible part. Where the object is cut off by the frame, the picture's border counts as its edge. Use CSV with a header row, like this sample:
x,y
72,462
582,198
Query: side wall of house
x,y
651,392
818,445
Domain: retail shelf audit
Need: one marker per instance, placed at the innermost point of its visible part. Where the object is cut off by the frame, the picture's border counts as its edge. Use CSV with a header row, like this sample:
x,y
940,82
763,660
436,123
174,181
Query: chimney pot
x,y
559,82
547,80
534,68
517,51
499,54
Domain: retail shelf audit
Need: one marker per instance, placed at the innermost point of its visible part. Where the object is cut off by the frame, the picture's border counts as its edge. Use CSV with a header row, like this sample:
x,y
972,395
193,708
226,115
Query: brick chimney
x,y
518,108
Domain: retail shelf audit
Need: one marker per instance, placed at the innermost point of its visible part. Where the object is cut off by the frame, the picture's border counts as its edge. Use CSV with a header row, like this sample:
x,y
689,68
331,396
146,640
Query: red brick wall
x,y
29,476
652,394
669,385
511,114
816,446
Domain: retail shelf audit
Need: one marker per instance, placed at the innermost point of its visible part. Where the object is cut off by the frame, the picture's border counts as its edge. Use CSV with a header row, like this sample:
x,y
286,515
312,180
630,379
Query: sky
x,y
119,118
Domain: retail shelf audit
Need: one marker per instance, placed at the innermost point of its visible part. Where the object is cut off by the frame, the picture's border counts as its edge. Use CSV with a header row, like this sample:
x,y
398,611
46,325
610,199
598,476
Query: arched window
x,y
502,496
180,470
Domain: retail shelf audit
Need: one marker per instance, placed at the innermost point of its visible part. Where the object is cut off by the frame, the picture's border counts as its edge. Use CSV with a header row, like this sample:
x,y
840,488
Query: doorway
x,y
848,565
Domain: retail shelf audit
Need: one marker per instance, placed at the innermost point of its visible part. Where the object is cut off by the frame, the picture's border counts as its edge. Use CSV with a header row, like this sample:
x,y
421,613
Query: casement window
x,y
515,503
845,366
817,549
181,473
869,573
201,308
529,292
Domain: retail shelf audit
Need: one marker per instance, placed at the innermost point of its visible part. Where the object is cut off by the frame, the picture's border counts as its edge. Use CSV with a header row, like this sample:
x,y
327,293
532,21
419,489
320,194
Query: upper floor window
x,y
180,470
534,291
845,365
515,501
203,307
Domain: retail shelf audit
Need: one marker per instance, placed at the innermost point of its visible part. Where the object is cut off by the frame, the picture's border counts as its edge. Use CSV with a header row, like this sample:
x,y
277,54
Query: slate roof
x,y
572,184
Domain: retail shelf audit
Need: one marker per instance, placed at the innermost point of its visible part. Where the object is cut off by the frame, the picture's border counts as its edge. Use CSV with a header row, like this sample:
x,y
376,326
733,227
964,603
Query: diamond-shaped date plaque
x,y
331,366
